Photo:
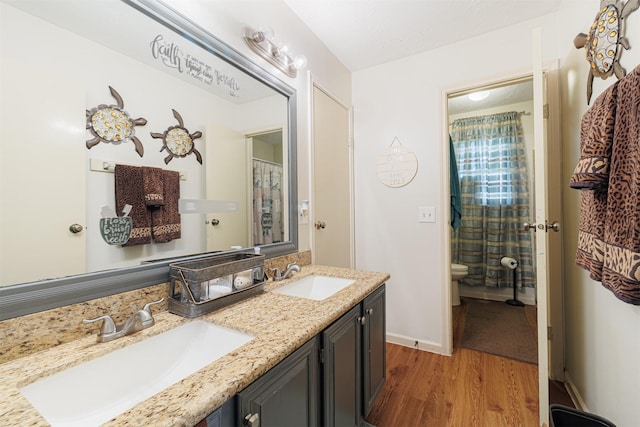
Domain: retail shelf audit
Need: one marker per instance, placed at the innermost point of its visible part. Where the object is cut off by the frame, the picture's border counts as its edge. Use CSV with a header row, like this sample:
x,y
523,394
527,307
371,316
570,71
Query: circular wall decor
x,y
396,166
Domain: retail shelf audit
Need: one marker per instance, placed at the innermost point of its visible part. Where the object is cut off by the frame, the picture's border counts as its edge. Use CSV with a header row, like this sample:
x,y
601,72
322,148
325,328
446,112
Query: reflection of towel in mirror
x,y
165,220
153,182
129,190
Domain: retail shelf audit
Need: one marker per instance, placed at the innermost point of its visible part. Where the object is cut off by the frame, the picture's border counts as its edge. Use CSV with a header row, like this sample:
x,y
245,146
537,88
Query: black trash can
x,y
564,416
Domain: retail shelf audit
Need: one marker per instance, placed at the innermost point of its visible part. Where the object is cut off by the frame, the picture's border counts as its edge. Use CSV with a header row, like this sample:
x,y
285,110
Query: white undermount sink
x,y
314,287
98,390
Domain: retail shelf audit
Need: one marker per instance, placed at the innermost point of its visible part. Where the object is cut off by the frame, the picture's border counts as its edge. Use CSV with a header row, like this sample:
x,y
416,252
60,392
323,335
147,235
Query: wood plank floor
x,y
470,388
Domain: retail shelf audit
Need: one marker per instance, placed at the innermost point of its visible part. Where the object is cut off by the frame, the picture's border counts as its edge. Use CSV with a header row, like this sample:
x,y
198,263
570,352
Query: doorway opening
x,y
268,224
492,257
492,150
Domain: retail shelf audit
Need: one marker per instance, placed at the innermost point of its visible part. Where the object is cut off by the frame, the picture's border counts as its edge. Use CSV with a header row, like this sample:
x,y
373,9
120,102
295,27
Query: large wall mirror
x,y
61,60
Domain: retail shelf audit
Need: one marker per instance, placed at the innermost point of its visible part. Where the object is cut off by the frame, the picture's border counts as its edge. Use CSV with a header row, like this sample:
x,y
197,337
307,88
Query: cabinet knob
x,y
252,420
362,320
369,311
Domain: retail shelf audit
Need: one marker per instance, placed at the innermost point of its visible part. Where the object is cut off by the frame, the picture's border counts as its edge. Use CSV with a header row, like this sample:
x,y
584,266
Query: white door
x,y
548,239
226,150
331,204
56,189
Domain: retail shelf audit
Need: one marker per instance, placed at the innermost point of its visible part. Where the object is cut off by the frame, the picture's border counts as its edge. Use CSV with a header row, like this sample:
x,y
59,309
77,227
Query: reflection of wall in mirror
x,y
33,210
148,93
226,179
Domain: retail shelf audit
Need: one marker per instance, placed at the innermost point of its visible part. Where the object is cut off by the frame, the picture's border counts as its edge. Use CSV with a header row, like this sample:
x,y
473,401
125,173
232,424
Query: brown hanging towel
x,y
153,180
609,175
129,190
165,219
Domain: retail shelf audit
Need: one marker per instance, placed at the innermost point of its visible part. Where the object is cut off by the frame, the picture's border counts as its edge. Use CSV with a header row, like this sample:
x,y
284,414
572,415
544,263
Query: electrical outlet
x,y
426,214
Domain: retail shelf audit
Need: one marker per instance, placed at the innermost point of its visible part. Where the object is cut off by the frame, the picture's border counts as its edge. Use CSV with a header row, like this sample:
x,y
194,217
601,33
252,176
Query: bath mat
x,y
499,328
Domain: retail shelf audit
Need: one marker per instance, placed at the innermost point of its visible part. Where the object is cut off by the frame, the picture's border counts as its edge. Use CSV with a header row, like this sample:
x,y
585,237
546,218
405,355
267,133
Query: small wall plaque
x,y
116,230
397,166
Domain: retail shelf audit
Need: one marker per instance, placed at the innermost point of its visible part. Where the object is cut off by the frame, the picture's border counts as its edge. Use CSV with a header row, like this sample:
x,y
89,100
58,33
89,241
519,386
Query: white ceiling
x,y
365,33
497,96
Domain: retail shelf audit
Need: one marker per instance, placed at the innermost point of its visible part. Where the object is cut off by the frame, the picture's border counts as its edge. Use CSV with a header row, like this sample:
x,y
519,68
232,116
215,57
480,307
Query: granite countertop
x,y
280,324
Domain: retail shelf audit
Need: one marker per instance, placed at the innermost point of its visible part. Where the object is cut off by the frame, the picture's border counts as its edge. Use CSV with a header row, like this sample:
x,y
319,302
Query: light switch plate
x,y
303,212
426,214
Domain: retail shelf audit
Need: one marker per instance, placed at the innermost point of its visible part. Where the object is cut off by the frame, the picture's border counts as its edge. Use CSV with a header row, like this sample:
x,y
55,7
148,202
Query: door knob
x,y
75,228
213,222
555,226
319,225
528,226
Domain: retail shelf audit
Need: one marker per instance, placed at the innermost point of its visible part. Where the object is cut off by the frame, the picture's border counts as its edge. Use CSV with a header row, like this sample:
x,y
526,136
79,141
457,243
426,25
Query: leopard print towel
x,y
608,172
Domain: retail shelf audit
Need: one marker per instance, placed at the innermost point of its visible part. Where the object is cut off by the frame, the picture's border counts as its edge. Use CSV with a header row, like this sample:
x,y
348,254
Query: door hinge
x,y
549,333
545,111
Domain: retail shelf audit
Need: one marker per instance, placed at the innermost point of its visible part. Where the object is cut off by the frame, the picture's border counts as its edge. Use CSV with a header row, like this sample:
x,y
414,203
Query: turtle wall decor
x,y
111,124
605,41
178,141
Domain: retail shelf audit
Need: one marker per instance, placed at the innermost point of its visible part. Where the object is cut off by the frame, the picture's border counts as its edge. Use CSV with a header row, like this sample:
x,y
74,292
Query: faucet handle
x,y
147,306
276,273
108,327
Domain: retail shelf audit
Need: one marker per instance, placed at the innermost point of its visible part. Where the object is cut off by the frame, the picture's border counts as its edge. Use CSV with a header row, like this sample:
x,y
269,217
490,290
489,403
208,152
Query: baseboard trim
x,y
417,344
527,295
574,394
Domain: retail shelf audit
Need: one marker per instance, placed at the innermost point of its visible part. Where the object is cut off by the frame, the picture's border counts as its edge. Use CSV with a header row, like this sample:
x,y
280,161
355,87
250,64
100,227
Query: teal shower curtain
x,y
494,186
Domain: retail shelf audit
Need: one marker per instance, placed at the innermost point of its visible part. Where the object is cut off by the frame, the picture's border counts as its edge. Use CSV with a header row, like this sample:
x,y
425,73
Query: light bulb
x,y
281,49
267,32
300,61
479,96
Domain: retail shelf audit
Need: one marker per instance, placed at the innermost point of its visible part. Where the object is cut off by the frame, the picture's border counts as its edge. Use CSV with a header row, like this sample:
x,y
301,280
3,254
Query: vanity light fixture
x,y
277,54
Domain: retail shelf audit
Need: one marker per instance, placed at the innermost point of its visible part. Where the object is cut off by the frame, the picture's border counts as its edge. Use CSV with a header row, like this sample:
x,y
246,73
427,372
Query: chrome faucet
x,y
138,321
287,273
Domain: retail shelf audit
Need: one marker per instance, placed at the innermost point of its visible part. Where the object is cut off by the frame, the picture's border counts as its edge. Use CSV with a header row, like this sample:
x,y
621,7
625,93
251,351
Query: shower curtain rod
x,y
522,113
267,161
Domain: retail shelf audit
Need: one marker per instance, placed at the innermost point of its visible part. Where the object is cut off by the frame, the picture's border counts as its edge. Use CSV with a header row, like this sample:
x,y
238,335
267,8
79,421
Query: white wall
x,y
602,332
227,19
403,99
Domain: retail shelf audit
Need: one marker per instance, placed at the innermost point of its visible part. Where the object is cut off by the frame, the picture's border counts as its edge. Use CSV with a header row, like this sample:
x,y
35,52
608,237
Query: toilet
x,y
458,271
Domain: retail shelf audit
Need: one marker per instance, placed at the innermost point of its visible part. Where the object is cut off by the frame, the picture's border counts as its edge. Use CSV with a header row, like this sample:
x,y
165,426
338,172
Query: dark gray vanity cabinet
x,y
342,370
331,381
354,362
287,395
374,356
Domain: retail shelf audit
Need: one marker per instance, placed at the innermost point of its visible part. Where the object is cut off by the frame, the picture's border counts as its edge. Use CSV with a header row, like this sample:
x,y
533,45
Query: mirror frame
x,y
27,298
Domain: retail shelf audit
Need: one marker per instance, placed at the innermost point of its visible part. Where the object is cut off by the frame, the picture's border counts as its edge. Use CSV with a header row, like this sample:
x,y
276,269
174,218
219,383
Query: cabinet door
x,y
224,416
341,344
287,395
374,341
